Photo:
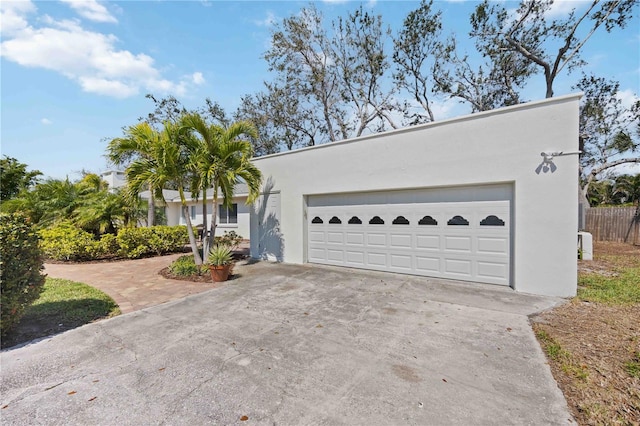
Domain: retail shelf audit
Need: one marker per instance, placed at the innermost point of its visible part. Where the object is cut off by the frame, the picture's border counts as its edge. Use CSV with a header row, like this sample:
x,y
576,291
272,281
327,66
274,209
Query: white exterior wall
x,y
174,217
500,146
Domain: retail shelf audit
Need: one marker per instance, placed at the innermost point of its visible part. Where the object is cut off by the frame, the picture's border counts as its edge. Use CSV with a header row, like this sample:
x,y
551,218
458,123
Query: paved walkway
x,y
133,284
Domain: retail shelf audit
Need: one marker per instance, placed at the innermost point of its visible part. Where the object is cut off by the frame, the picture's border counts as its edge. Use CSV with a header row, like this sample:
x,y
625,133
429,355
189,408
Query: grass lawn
x,y
593,342
62,305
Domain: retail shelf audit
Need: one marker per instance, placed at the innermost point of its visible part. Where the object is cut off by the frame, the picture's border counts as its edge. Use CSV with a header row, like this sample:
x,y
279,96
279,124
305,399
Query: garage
x,y
453,233
479,198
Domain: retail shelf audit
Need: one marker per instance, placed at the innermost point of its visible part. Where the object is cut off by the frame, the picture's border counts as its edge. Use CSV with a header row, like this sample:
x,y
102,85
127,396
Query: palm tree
x,y
101,212
166,159
136,144
221,160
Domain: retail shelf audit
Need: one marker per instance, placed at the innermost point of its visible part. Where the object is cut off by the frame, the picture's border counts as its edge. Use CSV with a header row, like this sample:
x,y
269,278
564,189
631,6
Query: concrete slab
x,y
297,345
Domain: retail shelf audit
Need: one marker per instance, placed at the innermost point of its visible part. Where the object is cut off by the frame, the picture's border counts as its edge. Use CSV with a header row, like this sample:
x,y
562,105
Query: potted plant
x,y
220,262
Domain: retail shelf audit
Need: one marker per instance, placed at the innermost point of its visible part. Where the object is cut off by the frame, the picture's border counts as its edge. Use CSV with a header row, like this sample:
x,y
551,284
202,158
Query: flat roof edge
x,y
467,117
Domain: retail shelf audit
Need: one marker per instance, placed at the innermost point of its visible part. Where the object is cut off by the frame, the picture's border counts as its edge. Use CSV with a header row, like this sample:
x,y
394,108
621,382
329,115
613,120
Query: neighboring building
x,y
470,198
115,178
234,218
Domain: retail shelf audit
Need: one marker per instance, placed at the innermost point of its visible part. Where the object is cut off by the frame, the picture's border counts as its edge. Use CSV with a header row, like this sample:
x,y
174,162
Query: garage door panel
x,y
401,261
377,259
428,265
377,239
317,255
457,233
316,236
459,267
355,258
431,242
335,255
457,243
401,241
493,245
493,270
335,237
355,238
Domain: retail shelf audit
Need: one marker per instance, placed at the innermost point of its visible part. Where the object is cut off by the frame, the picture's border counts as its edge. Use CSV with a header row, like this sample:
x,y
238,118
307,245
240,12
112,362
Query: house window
x,y
228,214
193,212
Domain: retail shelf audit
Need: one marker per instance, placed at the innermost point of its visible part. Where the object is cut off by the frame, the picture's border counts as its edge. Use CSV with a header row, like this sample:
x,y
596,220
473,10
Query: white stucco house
x,y
235,218
490,197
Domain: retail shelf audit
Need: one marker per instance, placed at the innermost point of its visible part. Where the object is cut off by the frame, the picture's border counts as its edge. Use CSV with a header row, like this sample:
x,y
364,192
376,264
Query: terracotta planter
x,y
219,273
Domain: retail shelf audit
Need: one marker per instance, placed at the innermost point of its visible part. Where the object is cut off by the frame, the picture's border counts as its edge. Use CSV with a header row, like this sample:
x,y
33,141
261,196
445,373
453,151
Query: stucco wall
x,y
497,146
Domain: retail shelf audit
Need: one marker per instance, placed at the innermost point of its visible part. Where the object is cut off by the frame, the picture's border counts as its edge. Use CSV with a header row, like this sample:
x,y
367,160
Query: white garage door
x,y
415,232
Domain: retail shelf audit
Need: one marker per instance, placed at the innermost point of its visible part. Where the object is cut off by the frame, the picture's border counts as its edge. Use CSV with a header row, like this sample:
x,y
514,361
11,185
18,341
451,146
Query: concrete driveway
x,y
297,345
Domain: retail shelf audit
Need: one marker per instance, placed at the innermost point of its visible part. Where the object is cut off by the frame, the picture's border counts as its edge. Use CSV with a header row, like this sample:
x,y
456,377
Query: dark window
x,y
317,220
427,220
492,220
228,214
376,221
400,220
458,220
335,220
355,221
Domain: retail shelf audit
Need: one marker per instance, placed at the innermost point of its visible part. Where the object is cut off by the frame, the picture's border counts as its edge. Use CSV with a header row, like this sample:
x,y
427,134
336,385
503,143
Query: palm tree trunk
x,y
151,212
210,240
204,214
192,238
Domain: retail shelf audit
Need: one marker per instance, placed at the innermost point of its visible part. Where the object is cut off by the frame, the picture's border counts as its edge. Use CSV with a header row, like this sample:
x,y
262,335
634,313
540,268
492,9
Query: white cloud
x,y
627,97
13,16
87,57
92,10
561,8
268,21
46,121
197,78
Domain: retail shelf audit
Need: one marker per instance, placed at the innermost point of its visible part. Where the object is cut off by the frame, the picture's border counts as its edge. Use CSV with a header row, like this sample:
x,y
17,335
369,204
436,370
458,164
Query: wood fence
x,y
621,224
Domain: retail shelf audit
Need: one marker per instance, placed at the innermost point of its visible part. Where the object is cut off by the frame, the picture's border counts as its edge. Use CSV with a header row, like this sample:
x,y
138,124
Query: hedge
x,y
64,241
20,264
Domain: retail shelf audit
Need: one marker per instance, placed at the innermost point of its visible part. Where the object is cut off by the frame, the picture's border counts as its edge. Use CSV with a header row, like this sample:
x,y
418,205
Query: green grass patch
x,y
623,289
563,357
633,367
69,302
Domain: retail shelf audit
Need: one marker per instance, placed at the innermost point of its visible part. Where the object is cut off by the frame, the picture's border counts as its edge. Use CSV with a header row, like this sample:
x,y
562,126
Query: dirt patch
x,y
590,347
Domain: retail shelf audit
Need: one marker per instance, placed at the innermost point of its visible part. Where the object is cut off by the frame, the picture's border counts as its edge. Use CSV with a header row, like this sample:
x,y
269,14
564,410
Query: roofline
x,y
467,117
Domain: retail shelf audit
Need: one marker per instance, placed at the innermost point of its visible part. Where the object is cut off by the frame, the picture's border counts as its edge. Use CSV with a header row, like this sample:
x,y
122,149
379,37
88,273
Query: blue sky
x,y
73,73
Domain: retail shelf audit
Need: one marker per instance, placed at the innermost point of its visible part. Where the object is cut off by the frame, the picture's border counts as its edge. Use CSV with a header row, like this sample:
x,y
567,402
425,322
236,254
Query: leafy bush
x,y
184,266
136,242
65,241
229,239
20,265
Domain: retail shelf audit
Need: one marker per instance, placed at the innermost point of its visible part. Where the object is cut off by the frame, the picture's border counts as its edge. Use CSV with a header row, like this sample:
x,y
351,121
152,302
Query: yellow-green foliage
x,y
136,242
20,265
65,241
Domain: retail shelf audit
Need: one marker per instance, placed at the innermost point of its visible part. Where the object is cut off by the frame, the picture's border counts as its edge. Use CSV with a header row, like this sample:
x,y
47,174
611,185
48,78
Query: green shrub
x,y
229,239
20,266
184,266
137,242
65,241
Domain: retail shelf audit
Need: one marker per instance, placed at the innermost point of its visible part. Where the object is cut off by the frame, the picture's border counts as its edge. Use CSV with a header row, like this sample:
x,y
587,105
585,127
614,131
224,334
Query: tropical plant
x,y
137,144
221,159
219,256
167,158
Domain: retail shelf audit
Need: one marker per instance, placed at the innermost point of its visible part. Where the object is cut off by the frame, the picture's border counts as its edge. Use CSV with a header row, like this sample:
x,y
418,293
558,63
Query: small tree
x,y
20,266
609,130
